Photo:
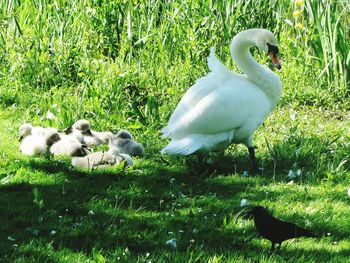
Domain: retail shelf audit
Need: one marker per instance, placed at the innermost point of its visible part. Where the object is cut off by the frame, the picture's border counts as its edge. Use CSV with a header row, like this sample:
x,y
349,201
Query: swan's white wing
x,y
217,67
225,109
201,88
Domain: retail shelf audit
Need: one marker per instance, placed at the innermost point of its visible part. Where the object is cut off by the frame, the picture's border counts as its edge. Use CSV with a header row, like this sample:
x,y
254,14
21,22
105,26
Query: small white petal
x,y
245,173
244,202
50,115
349,192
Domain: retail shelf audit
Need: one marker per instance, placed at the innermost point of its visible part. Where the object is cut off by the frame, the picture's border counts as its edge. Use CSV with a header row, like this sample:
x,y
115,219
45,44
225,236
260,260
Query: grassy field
x,y
126,64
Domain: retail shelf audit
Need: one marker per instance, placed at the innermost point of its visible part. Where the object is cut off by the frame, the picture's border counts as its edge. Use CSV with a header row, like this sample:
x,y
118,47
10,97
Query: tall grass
x,y
104,58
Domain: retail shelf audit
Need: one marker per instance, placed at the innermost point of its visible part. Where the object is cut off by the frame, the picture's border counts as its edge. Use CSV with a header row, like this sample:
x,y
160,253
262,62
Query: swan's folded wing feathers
x,y
219,112
217,67
193,95
184,146
202,87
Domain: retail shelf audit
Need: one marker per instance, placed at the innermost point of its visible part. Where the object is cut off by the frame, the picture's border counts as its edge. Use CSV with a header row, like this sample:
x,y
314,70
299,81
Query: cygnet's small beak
x,y
20,138
88,132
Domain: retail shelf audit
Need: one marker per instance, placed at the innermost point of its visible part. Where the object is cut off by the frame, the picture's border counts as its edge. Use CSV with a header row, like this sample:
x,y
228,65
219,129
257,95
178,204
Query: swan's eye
x,y
272,48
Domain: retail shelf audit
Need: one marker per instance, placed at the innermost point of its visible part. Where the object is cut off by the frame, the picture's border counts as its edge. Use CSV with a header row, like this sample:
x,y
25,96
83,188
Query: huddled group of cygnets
x,y
76,140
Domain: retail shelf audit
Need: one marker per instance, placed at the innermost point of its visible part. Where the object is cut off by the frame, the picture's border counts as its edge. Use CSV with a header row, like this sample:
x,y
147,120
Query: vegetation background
x,y
126,64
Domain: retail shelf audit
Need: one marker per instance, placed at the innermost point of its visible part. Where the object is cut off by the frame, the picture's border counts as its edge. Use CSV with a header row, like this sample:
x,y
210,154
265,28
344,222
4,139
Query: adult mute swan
x,y
226,107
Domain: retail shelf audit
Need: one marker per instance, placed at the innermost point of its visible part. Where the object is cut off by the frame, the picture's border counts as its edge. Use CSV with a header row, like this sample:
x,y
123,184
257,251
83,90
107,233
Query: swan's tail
x,y
165,132
199,142
183,146
216,66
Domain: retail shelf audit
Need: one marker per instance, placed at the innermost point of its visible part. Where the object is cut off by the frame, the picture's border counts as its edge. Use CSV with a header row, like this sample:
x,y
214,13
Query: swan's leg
x,y
253,158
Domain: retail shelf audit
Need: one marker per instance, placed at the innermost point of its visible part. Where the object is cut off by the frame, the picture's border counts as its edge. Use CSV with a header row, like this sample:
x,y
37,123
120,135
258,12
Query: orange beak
x,y
274,59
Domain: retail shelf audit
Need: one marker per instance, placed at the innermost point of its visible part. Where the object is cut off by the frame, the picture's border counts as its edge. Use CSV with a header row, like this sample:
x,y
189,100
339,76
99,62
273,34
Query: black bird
x,y
274,229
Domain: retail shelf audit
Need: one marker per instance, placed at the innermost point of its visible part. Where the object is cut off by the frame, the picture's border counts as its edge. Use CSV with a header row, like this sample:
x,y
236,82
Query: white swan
x,y
225,107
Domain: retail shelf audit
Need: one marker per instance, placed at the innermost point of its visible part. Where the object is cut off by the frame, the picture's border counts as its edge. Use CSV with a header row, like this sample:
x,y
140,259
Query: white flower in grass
x,y
348,192
244,202
91,213
50,115
53,232
245,173
171,243
9,238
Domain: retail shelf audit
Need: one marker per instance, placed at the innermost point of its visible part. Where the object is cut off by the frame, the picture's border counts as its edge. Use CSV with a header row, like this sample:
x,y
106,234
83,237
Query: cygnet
x,y
90,137
38,145
69,146
124,143
99,160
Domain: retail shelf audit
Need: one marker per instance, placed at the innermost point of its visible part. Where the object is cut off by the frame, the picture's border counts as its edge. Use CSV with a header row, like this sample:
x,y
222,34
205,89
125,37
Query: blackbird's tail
x,y
301,232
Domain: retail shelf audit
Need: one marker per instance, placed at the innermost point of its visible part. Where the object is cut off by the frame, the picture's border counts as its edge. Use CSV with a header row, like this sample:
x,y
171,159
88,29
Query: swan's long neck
x,y
261,76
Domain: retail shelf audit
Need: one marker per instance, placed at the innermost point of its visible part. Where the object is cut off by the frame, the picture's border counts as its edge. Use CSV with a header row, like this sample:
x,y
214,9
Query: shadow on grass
x,y
140,209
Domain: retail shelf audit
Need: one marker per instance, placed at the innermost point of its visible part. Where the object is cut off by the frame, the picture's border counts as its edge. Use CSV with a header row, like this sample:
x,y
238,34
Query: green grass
x,y
125,64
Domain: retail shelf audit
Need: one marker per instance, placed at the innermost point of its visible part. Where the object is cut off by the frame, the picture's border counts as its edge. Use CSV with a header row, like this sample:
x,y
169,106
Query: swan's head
x,y
25,130
266,41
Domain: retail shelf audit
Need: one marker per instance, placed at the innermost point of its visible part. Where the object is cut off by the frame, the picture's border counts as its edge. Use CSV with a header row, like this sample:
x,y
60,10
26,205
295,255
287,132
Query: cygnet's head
x,y
124,134
25,130
82,125
51,137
